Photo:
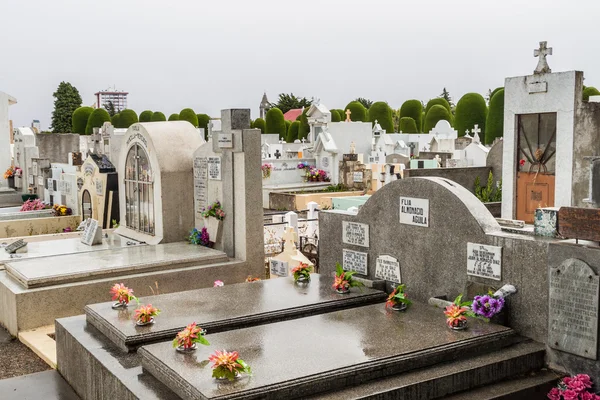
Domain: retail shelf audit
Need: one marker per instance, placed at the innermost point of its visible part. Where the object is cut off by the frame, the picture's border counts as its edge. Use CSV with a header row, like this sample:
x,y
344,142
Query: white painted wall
x,y
5,153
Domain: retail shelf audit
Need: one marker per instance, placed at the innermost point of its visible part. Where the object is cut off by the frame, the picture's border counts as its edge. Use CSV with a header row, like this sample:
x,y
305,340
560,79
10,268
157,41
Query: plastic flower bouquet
x,y
34,205
398,300
266,170
122,294
218,283
214,210
61,210
188,338
457,312
487,305
144,315
250,278
574,388
344,280
9,173
199,237
228,365
302,273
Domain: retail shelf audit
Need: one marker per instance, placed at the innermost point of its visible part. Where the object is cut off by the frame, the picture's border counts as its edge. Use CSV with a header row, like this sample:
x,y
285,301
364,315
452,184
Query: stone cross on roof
x,y
542,52
476,131
290,237
348,112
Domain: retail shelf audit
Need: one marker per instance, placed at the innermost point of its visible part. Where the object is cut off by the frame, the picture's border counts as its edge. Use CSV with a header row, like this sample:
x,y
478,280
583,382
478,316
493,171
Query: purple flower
x,y
487,306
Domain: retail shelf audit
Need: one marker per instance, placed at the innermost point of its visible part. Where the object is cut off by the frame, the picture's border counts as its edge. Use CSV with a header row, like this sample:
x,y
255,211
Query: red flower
x,y
554,394
522,162
570,395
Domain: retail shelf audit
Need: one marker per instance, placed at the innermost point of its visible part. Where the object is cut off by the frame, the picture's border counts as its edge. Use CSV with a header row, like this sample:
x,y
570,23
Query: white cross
x,y
476,130
467,132
348,112
542,52
303,140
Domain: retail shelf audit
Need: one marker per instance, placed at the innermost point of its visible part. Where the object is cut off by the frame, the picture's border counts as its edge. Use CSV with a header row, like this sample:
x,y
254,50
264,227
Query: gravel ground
x,y
16,359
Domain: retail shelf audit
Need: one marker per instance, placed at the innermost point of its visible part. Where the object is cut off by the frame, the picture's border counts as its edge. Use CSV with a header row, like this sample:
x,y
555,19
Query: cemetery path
x,y
16,359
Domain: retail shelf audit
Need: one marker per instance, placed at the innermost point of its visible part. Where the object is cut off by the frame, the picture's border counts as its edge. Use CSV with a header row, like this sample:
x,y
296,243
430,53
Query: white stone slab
x,y
484,261
355,261
355,233
388,269
414,211
279,268
92,234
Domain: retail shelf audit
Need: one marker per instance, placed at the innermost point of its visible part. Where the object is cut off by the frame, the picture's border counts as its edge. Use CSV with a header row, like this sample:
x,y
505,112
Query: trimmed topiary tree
x,y
127,118
259,123
115,120
382,112
470,111
304,128
97,118
335,116
287,126
293,132
157,116
435,114
358,111
189,115
146,116
80,118
495,91
407,125
174,117
590,91
275,123
494,124
203,120
439,101
413,109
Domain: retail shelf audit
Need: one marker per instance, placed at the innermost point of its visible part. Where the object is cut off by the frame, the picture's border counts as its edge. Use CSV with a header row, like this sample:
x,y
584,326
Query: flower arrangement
x,y
144,315
61,210
457,312
266,170
122,294
487,305
316,175
228,365
218,283
34,205
9,173
302,165
573,388
302,272
214,210
250,278
398,300
199,237
344,280
189,336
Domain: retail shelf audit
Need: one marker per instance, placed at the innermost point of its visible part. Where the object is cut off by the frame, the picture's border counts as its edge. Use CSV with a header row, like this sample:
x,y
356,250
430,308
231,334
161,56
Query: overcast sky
x,y
217,54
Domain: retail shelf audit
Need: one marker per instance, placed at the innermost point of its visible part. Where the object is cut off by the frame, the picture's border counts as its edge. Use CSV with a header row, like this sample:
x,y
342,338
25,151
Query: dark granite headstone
x,y
350,157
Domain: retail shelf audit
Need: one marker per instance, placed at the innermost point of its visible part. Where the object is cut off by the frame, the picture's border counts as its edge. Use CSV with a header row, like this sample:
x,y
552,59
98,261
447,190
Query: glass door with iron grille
x,y
139,191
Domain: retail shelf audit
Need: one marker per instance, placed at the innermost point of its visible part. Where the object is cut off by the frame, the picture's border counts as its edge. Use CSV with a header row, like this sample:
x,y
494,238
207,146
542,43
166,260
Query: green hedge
x,y
304,128
335,116
80,118
97,118
293,132
127,118
275,123
494,125
471,110
157,116
203,120
382,112
358,111
413,109
407,125
439,101
259,123
590,91
174,117
146,116
115,120
435,114
189,115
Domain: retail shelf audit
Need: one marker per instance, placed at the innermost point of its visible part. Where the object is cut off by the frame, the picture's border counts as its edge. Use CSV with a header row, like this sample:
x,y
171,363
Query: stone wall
x,y
587,143
463,176
57,146
494,159
37,226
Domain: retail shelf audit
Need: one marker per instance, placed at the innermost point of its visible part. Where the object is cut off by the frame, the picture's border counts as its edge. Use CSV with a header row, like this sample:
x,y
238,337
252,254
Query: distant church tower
x,y
264,106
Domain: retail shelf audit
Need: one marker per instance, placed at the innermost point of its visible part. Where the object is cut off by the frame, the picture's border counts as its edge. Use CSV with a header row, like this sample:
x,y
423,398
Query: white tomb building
x,y
5,146
475,154
24,150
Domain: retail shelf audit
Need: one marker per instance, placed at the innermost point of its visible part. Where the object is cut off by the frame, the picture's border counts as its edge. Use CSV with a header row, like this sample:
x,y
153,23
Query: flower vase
x,y
343,290
399,307
302,281
213,228
185,350
460,326
119,304
11,182
237,375
140,323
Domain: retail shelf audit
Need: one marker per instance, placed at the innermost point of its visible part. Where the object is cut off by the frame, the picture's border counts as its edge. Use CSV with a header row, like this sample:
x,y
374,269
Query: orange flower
x,y
225,359
122,293
340,283
144,314
189,335
455,314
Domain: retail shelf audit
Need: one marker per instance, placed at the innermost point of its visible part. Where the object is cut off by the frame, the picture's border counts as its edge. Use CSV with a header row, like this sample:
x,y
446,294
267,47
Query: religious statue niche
x,y
139,191
536,158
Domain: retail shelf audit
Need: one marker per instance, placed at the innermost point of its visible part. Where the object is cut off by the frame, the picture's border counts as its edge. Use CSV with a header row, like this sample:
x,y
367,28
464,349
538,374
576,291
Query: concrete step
x,y
47,385
441,380
532,386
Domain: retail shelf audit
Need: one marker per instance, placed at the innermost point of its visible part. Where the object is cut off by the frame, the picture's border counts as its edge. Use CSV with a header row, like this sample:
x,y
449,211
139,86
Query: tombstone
x,y
98,191
92,235
283,263
24,151
155,200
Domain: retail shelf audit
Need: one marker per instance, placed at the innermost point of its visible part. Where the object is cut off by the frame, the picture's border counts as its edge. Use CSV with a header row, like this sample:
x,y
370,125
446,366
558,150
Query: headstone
x,y
579,223
355,234
357,177
200,184
355,261
414,211
484,261
573,309
18,246
387,268
279,268
214,168
92,234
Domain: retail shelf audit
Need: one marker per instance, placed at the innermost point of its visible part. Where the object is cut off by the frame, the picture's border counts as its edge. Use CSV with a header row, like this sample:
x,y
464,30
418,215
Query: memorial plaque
x,y
355,233
388,269
92,234
49,185
358,177
414,211
200,183
484,261
34,168
355,261
214,168
30,180
225,140
573,309
350,157
279,268
99,187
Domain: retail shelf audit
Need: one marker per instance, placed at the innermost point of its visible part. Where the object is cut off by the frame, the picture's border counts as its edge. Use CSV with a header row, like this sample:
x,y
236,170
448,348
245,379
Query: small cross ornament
x,y
542,52
348,112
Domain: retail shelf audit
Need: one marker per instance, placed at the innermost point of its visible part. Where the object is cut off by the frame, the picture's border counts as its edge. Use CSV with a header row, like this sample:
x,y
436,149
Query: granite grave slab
x,y
95,265
302,357
225,308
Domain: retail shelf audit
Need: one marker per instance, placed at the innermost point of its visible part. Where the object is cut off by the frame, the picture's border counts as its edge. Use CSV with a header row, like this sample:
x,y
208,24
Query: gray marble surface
x,y
225,308
94,265
292,359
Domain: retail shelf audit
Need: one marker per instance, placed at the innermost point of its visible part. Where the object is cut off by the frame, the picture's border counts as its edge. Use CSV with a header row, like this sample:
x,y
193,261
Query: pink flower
x,y
570,395
218,283
554,394
585,379
576,385
586,396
